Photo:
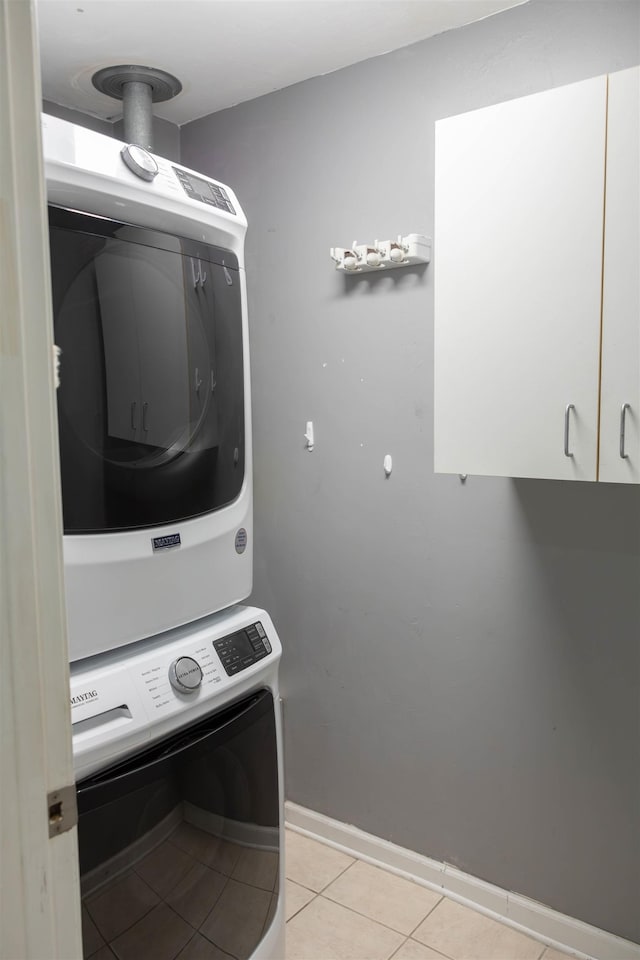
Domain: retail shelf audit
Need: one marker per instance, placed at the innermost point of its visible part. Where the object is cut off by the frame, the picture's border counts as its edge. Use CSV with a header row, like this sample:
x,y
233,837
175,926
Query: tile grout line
x,y
419,942
445,956
300,909
409,936
298,884
337,877
428,914
365,916
395,952
328,884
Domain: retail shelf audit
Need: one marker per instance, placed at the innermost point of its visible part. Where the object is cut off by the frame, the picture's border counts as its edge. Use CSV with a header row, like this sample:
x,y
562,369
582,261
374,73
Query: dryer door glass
x,y
180,845
150,403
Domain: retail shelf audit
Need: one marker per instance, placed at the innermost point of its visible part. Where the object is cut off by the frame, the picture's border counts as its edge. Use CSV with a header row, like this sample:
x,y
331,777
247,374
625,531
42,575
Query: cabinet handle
x,y
567,412
145,407
623,417
134,420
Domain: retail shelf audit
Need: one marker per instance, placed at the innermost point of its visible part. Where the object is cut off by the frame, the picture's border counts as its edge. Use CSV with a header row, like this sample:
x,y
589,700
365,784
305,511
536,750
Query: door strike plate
x,y
63,810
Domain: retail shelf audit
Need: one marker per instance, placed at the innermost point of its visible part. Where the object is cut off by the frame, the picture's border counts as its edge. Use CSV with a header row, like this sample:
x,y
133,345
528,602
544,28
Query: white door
x,y
39,888
518,260
620,403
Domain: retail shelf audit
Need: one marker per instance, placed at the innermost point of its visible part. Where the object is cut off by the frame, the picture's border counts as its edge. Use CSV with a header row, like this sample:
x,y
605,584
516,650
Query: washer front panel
x,y
124,698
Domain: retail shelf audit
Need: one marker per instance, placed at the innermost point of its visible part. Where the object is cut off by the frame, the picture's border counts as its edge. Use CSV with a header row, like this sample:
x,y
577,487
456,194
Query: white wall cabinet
x,y
520,202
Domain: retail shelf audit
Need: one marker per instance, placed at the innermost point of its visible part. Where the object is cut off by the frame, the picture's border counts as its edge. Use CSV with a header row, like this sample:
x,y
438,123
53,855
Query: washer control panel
x,y
119,698
241,649
185,675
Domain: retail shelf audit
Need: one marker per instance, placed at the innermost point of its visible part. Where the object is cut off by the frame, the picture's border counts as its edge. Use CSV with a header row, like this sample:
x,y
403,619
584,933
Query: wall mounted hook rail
x,y
382,254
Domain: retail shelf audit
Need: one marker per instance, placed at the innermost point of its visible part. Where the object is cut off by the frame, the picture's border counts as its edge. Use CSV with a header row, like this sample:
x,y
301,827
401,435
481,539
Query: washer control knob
x,y
185,675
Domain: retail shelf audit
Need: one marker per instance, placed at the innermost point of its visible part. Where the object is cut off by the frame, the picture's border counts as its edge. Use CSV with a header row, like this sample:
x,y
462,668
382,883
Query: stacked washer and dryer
x,y
174,682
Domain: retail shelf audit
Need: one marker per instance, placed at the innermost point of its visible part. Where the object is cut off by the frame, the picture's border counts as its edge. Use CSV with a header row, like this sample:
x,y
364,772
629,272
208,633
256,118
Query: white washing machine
x,y
177,751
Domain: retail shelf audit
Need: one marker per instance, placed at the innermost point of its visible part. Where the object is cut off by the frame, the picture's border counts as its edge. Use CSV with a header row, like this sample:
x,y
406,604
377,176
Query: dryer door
x,y
150,404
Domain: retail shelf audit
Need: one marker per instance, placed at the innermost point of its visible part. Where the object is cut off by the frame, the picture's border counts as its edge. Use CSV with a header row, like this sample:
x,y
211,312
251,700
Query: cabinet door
x,y
621,292
518,260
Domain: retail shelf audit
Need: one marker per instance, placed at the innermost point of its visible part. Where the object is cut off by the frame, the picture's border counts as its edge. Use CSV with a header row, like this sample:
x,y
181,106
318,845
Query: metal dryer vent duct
x,y
138,88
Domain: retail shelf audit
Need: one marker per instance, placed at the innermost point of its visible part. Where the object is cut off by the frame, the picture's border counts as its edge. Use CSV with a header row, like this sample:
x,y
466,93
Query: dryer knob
x,y
185,675
139,161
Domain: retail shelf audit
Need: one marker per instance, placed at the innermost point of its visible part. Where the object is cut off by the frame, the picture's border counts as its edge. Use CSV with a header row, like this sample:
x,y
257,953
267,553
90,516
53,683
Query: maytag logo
x,y
166,542
81,698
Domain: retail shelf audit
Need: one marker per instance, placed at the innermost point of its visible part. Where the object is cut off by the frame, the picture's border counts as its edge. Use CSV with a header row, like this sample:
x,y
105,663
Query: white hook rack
x,y
383,254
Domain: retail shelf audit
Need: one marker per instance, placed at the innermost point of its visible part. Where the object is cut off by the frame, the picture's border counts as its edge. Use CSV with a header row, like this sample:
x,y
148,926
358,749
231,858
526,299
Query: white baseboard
x,y
550,927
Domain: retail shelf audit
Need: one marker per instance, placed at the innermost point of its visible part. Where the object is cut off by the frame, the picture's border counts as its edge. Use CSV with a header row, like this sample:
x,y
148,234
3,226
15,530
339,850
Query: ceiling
x,y
227,51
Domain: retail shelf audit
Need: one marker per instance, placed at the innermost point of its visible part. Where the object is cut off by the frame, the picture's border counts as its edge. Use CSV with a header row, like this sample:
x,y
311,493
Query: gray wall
x,y
76,116
166,135
462,661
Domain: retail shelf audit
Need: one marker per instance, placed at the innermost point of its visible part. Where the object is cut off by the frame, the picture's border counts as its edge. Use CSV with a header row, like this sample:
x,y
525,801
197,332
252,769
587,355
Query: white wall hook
x,y
397,250
309,435
387,463
345,259
372,256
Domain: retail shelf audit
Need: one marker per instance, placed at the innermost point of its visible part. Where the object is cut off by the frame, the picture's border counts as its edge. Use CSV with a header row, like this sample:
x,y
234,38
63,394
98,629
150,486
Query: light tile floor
x,y
339,908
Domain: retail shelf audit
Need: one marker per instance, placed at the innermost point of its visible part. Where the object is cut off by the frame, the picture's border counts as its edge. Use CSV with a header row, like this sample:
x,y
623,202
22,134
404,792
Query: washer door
x,y
180,845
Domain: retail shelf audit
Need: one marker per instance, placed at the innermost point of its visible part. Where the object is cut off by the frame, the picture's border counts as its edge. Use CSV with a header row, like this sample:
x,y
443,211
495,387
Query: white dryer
x,y
154,416
177,751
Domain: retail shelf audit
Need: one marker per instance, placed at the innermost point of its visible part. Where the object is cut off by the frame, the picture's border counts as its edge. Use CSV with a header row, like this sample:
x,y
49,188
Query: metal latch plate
x,y
63,810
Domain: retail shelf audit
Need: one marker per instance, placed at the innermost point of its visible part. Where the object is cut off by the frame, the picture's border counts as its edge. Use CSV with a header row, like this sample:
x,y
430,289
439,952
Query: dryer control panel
x,y
206,191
